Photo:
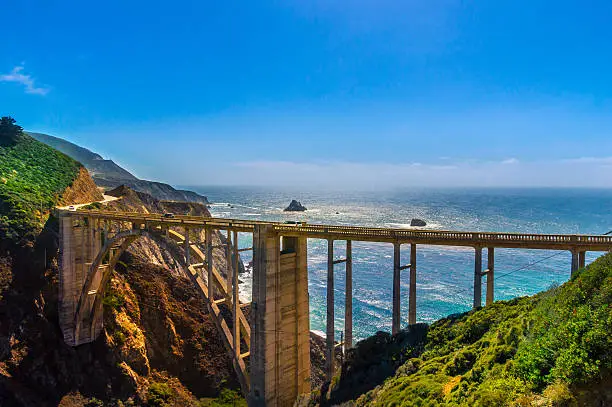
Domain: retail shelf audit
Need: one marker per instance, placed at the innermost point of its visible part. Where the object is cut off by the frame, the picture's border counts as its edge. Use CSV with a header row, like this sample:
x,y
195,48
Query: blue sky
x,y
357,94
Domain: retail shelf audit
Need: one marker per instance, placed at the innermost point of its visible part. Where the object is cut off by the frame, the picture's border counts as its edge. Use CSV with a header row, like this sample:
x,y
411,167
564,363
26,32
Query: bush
x,y
570,339
113,300
159,394
227,398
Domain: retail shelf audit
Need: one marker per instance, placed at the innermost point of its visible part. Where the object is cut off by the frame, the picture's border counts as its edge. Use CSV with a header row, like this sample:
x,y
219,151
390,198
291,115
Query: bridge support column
x,y
104,231
235,298
478,278
348,299
280,330
187,248
330,330
78,244
490,276
228,264
395,324
412,305
68,281
575,261
209,263
582,259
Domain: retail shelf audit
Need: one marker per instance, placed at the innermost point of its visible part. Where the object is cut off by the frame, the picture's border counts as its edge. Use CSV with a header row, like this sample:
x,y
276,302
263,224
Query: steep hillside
x,y
96,165
109,175
552,349
33,178
157,189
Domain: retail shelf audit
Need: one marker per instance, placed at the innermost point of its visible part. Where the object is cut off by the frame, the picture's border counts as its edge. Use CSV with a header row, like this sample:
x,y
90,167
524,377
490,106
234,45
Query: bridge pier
x,y
348,299
228,263
575,261
490,276
79,244
395,323
209,262
412,304
187,248
478,277
578,260
330,342
280,341
235,298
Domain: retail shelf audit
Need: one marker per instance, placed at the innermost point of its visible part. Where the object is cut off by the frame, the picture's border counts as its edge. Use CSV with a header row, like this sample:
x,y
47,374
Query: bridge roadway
x,y
571,242
276,335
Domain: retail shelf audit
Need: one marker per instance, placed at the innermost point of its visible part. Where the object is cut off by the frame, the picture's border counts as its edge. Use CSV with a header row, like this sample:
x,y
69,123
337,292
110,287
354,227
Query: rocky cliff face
x,y
156,328
82,190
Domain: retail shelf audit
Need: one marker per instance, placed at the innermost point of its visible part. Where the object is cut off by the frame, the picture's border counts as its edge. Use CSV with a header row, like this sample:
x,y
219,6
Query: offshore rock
x,y
418,222
295,206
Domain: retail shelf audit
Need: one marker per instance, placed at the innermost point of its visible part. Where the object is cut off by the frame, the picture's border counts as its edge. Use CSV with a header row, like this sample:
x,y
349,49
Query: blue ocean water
x,y
445,274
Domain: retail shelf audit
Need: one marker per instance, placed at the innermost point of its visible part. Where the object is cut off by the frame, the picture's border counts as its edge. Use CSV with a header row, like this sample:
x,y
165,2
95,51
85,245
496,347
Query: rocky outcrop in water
x,y
295,206
418,222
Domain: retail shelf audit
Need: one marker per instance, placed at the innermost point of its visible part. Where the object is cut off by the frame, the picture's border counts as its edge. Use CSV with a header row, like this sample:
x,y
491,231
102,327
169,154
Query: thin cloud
x,y
510,161
17,76
510,172
590,160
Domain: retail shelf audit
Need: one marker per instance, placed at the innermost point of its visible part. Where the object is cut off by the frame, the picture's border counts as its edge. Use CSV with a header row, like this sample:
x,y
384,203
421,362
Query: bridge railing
x,y
364,233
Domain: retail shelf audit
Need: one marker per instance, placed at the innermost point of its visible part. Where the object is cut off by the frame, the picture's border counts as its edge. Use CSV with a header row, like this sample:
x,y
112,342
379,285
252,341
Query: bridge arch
x,y
86,321
89,311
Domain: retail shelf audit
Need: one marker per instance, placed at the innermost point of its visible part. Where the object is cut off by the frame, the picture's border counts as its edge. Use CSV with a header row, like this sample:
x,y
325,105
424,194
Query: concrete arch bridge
x,y
270,350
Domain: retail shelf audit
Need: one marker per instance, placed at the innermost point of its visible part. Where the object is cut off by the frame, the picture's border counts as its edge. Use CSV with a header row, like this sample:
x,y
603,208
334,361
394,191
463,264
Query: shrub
x,y
158,394
113,300
227,398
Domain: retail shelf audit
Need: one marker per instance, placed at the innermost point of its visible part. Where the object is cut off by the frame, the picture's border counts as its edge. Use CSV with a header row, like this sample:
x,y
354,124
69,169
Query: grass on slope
x,y
552,349
32,178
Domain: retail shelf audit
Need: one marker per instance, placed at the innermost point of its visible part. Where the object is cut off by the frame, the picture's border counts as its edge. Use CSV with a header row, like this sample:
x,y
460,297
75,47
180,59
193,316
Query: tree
x,y
9,131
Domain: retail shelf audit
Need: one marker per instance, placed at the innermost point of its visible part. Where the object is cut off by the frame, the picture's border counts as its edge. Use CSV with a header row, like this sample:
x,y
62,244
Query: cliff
x,y
109,175
82,190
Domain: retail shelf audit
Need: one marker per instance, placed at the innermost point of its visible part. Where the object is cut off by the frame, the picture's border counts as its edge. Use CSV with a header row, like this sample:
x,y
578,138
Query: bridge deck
x,y
375,234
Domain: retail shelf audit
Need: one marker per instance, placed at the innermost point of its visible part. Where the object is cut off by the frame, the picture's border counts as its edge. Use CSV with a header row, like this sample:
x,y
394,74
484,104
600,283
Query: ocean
x,y
445,274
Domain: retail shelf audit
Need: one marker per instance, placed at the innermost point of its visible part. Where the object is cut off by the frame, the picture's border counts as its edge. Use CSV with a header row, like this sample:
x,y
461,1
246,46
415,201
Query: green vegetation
x,y
113,300
162,394
92,206
227,398
552,349
9,131
159,394
32,177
